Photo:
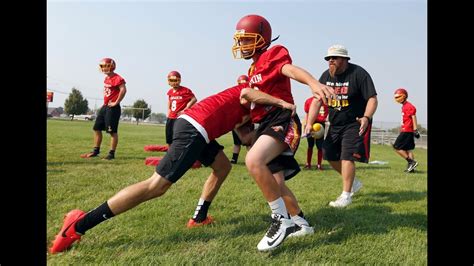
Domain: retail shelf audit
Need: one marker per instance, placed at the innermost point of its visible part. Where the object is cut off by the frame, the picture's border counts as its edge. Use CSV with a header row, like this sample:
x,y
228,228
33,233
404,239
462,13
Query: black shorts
x,y
169,130
108,119
405,141
289,128
236,138
287,163
188,146
344,143
311,141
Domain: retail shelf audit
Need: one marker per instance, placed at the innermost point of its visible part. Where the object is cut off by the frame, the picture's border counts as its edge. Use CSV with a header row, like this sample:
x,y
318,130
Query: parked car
x,y
83,117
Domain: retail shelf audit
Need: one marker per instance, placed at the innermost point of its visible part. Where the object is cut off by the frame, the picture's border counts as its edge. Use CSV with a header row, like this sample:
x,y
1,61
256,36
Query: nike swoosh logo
x,y
105,217
270,243
65,230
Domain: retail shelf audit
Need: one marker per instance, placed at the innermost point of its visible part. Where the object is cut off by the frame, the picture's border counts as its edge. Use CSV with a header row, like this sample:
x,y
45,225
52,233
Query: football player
x,y
405,142
279,131
196,131
109,114
180,98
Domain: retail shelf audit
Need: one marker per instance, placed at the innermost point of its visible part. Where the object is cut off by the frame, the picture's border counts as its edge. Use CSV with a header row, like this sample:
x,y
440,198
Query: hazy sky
x,y
148,39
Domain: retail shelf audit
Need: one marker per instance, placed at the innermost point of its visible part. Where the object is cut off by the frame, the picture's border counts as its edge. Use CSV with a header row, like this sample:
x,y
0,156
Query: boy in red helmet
x,y
109,114
405,143
196,131
278,131
180,98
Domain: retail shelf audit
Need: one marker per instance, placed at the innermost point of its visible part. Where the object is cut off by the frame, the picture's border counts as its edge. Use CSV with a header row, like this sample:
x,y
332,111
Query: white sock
x,y
278,207
346,194
299,220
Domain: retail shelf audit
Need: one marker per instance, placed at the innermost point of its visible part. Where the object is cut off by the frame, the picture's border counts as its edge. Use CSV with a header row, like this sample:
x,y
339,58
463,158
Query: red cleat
x,y
320,167
67,236
192,223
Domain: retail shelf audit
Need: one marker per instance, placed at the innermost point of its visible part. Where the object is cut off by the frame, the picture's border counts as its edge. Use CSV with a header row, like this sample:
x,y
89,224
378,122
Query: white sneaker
x,y
278,231
302,230
356,186
340,202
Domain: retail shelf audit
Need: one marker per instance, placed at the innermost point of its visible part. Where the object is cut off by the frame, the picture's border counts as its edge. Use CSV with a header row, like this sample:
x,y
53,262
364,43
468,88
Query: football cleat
x,y
341,202
192,223
89,155
68,235
279,229
109,157
301,230
412,166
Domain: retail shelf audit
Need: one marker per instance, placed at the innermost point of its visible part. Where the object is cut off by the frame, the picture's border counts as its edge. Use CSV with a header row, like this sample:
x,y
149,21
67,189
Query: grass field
x,y
385,224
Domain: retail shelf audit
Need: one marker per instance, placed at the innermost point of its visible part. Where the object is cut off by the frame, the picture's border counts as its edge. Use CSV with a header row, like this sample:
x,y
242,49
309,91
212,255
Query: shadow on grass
x,y
98,160
332,226
381,197
329,167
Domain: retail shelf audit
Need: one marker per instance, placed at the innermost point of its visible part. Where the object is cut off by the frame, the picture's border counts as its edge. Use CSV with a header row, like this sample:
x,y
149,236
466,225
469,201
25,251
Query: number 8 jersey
x,y
177,100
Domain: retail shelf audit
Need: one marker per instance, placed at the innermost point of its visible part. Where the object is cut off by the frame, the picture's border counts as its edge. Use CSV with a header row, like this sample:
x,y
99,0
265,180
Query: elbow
x,y
244,93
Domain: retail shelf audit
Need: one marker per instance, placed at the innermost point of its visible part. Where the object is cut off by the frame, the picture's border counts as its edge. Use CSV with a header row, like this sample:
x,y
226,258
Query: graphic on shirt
x,y
341,90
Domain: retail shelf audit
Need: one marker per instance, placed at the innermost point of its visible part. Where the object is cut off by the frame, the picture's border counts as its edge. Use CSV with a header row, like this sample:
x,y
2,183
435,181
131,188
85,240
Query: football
x,y
318,131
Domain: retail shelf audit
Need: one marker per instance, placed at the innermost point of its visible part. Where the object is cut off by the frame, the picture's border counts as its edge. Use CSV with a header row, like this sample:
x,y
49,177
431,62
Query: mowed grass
x,y
385,224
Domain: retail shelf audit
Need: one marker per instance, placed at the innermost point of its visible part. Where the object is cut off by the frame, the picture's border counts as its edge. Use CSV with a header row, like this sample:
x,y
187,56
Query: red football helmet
x,y
242,79
253,34
174,79
400,95
107,65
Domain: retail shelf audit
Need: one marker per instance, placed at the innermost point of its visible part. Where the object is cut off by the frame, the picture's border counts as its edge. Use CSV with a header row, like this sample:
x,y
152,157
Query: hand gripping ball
x,y
318,131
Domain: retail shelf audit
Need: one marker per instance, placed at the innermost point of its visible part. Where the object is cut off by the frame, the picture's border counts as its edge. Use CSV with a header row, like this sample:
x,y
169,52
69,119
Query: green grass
x,y
385,224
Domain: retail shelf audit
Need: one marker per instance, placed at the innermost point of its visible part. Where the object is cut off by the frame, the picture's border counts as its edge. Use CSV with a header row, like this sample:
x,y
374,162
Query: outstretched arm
x,y
319,90
259,97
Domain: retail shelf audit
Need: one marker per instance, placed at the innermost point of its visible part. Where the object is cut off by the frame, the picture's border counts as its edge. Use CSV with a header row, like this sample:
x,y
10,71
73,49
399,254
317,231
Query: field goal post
x,y
135,108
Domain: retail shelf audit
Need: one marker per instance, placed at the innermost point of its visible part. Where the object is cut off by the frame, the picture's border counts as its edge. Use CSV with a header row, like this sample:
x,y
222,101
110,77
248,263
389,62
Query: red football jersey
x,y
407,122
323,110
217,114
111,87
265,75
178,100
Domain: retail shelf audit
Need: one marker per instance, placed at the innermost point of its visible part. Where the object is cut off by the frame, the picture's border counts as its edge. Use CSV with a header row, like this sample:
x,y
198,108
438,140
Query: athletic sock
x,y
93,218
235,157
200,214
278,207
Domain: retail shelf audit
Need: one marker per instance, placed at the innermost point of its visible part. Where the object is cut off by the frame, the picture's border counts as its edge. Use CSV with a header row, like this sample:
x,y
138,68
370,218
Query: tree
x,y
75,104
141,110
159,117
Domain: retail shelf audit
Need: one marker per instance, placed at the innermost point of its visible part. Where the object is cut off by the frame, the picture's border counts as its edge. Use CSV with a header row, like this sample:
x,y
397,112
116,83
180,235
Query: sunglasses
x,y
332,57
173,80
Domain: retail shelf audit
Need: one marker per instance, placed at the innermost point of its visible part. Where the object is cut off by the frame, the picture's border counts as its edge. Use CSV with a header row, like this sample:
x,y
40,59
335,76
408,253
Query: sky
x,y
148,39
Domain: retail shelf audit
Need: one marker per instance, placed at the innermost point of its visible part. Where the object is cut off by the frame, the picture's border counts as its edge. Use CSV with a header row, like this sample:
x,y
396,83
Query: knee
x,y
223,170
252,164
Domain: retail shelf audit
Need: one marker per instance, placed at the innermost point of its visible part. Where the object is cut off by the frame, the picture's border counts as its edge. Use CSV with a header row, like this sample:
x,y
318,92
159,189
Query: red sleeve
x,y
411,110
117,81
191,94
279,57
